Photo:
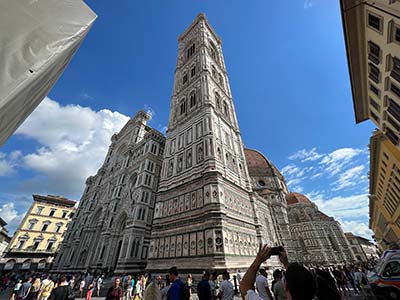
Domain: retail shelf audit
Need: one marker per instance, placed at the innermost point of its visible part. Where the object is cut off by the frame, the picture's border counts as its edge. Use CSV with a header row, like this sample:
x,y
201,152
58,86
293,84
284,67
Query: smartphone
x,y
277,250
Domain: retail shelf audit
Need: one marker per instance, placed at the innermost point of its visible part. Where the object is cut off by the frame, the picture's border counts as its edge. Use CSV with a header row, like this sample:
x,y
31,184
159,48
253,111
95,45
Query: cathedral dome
x,y
259,166
293,198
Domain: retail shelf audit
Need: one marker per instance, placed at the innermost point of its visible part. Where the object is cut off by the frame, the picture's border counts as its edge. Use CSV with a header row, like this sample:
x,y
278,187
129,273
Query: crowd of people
x,y
293,281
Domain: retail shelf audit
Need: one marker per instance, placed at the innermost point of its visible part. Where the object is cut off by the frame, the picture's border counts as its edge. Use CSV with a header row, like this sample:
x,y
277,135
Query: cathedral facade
x,y
195,198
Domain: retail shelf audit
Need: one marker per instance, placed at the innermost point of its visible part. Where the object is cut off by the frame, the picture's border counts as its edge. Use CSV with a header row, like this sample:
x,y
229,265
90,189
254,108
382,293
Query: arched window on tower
x,y
213,51
192,99
218,101
183,107
221,80
214,72
190,51
226,109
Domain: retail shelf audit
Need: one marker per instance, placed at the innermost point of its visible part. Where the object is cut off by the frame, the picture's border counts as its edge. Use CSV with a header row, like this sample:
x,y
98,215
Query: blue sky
x,y
288,73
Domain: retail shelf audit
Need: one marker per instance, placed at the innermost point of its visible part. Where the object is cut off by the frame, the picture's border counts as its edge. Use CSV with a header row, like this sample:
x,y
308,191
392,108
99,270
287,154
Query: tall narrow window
x,y
374,73
374,52
190,51
183,107
35,245
395,73
226,109
193,71
52,212
218,101
44,227
49,245
185,78
192,100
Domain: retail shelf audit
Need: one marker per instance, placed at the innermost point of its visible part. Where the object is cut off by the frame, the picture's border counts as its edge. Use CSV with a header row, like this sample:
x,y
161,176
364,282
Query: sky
x,y
288,73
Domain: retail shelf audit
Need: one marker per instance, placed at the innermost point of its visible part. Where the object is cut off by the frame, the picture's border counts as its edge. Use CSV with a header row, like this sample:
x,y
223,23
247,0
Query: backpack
x,y
184,292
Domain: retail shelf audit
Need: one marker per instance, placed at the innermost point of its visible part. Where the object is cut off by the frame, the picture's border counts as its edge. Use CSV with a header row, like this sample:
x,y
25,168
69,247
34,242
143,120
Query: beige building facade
x,y
37,239
384,204
362,248
372,38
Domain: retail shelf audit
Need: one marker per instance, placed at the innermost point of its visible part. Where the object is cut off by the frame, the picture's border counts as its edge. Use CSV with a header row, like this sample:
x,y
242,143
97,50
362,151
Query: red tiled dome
x,y
293,198
258,165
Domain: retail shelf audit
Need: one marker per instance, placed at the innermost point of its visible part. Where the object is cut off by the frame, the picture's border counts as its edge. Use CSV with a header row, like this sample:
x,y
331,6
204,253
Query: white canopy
x,y
37,40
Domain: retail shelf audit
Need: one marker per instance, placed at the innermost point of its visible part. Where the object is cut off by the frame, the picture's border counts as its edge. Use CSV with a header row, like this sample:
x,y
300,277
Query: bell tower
x,y
204,214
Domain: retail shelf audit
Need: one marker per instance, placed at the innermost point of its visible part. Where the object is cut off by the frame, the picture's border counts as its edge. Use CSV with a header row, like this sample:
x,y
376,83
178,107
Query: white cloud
x,y
337,160
306,155
290,170
354,206
294,181
9,214
8,163
350,177
74,141
357,228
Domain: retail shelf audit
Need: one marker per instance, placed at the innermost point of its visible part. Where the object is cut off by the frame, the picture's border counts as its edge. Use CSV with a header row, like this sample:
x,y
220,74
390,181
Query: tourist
x,y
115,291
62,291
46,288
15,291
152,292
24,289
299,282
203,288
174,292
278,287
262,285
81,287
226,291
326,287
89,292
213,285
34,291
99,284
350,277
129,286
164,290
340,280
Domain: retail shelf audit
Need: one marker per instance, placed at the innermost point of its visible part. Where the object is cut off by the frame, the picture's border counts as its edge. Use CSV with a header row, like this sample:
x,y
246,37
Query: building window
x,y
31,225
64,214
226,109
49,245
183,107
374,104
374,89
39,210
52,212
374,52
185,78
375,22
395,73
190,51
374,73
35,245
44,227
145,197
193,71
218,101
221,80
21,244
395,89
392,136
102,252
58,227
374,116
192,100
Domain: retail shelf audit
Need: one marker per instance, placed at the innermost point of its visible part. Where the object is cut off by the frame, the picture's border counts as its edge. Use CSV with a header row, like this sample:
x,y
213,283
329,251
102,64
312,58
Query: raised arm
x,y
247,282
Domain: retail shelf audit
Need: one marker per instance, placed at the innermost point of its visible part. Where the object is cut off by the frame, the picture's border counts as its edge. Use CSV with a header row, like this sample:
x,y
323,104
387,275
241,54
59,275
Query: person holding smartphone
x,y
299,282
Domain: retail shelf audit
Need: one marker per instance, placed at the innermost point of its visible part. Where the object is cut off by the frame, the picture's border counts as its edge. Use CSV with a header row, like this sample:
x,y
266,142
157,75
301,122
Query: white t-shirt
x,y
261,285
227,290
252,295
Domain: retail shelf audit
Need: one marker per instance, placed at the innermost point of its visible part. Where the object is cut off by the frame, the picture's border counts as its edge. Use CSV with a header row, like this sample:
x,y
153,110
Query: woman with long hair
x,y
115,291
34,291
